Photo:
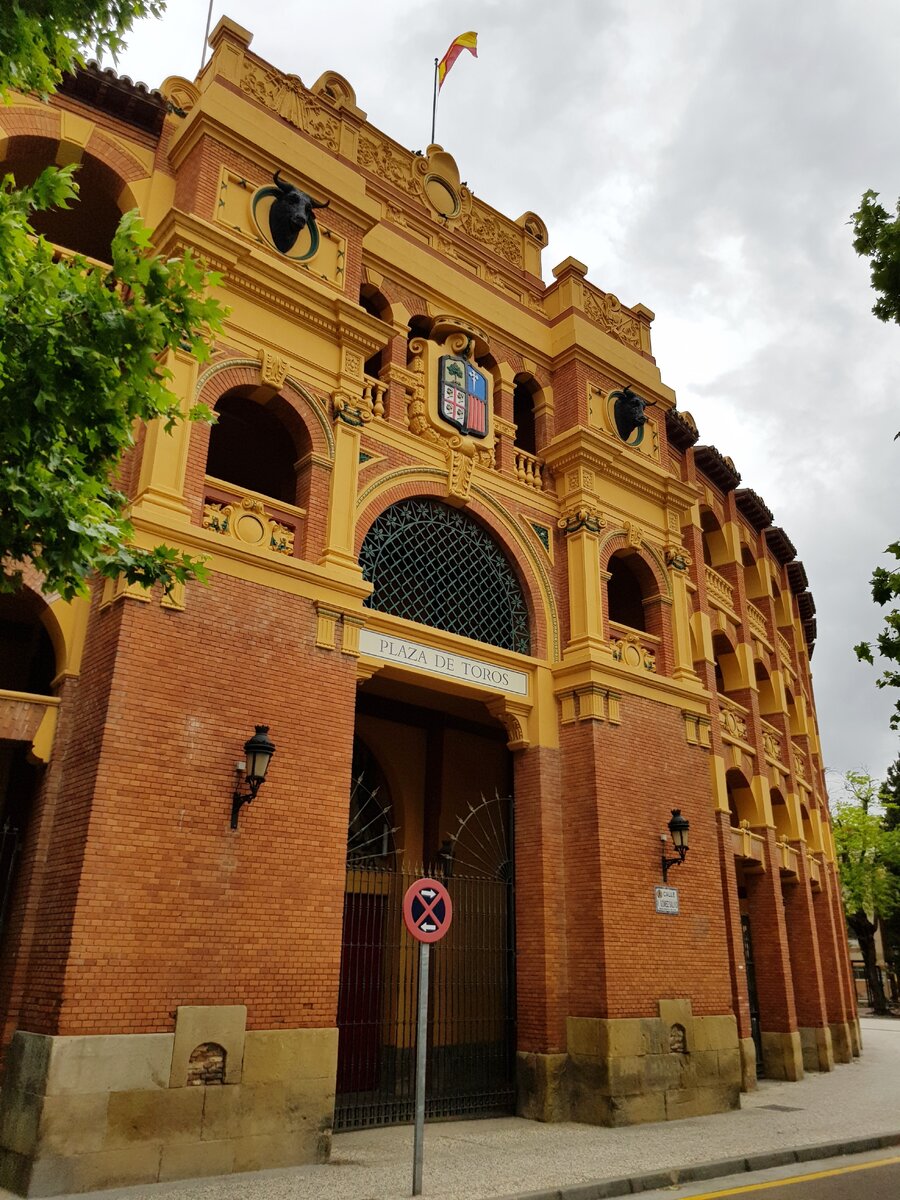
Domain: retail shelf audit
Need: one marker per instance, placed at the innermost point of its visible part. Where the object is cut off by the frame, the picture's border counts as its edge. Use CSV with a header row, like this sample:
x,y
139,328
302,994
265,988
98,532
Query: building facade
x,y
501,614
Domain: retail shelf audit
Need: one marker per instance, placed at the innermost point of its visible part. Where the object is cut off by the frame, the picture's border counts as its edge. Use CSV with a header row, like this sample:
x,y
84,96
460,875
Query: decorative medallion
x,y
282,213
463,394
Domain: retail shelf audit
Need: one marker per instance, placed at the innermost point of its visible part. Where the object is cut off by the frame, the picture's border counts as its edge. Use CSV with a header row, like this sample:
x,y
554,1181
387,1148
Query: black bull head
x,y
629,411
291,211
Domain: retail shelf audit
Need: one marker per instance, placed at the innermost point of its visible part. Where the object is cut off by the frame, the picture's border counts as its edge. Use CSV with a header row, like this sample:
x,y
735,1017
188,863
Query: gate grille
x,y
471,1010
433,564
9,852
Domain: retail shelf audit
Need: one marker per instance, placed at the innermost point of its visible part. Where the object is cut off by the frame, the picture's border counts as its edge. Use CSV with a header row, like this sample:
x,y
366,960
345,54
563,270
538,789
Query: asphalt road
x,y
874,1176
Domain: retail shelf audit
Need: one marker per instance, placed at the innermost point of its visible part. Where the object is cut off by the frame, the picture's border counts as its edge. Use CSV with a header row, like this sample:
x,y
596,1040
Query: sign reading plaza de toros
x,y
441,662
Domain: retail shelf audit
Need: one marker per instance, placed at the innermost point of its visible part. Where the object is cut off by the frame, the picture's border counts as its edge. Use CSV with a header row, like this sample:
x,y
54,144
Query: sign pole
x,y
427,913
421,1049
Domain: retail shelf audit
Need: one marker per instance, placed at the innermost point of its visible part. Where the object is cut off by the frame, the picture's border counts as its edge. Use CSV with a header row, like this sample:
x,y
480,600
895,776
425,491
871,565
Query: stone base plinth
x,y
541,1087
748,1065
840,1042
815,1043
80,1113
626,1071
782,1055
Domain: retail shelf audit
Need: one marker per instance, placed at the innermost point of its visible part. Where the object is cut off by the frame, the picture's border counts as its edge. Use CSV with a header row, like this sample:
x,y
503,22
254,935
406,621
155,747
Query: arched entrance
x,y
431,794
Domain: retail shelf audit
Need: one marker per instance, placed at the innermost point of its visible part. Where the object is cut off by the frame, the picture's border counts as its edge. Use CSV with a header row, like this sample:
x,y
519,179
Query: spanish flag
x,y
465,41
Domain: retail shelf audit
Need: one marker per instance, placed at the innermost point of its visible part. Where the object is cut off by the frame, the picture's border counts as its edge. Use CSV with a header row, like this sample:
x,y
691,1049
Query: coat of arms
x,y
462,395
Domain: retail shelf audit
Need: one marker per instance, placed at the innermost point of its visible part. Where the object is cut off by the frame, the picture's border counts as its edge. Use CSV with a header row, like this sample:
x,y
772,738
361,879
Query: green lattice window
x,y
433,564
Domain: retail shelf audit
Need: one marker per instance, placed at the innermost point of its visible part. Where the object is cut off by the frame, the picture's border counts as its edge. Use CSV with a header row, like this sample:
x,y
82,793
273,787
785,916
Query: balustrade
x,y
746,844
733,718
784,649
771,741
529,469
633,647
720,590
801,767
788,858
251,520
757,621
374,392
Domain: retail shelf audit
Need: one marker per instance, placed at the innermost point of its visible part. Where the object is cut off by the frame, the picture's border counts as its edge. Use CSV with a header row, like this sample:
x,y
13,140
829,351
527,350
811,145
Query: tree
x,y
869,857
40,39
889,798
81,346
877,237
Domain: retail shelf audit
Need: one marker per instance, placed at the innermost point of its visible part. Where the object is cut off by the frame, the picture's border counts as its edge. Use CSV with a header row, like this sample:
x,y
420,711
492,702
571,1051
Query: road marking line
x,y
759,1187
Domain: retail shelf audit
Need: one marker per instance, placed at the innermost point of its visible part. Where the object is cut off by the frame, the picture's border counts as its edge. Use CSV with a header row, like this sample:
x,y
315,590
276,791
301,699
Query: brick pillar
x,y
843,952
541,989
735,942
806,969
782,1054
834,979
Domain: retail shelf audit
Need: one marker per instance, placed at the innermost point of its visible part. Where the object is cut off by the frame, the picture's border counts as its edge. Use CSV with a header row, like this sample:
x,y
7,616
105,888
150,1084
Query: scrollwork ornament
x,y
351,411
677,558
577,519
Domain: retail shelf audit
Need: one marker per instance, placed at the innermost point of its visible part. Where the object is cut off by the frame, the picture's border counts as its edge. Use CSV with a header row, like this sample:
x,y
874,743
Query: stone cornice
x,y
271,282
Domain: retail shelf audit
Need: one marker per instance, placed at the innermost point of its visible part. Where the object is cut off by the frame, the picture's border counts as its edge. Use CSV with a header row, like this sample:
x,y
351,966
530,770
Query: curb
x,y
601,1189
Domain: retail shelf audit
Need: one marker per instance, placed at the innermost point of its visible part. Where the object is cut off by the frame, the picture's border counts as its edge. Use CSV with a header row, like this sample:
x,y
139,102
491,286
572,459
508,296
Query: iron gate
x,y
752,994
471,1024
9,852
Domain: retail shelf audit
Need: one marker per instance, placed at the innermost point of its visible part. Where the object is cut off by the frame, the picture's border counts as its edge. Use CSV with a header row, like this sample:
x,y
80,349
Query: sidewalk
x,y
490,1160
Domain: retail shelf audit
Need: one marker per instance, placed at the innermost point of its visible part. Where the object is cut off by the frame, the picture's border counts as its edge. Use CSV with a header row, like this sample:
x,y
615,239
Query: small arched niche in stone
x,y
206,1064
677,1039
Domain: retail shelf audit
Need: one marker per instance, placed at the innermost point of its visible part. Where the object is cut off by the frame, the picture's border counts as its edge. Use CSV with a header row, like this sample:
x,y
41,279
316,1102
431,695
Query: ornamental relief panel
x,y
286,96
246,521
608,312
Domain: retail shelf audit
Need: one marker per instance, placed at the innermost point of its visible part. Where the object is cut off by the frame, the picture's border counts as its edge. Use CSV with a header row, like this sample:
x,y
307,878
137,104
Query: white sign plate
x,y
667,900
441,662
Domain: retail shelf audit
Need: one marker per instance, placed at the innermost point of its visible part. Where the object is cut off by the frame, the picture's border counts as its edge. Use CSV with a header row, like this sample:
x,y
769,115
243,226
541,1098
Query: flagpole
x,y
206,35
434,102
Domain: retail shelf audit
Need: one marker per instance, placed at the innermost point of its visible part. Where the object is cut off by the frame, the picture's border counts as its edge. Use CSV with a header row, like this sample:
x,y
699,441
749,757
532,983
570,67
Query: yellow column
x,y
683,667
341,528
164,460
585,584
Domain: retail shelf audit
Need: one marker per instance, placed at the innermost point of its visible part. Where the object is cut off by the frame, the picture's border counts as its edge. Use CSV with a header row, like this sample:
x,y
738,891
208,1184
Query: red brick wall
x,y
619,786
172,906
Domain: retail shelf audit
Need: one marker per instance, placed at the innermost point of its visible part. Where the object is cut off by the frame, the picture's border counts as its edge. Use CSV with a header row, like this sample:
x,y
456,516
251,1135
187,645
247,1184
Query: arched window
x,y
250,447
89,224
768,702
27,657
728,671
781,816
435,565
525,390
715,548
377,305
741,803
752,582
625,591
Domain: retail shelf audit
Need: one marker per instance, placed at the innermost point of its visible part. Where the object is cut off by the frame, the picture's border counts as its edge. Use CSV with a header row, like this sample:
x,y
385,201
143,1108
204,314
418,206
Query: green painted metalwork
x,y
435,565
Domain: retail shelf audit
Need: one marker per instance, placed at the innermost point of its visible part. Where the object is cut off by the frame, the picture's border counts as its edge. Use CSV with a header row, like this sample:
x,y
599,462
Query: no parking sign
x,y
427,910
427,913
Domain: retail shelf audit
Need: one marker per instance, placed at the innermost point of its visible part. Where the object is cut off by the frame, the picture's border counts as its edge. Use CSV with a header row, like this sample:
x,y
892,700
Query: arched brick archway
x,y
304,422
544,631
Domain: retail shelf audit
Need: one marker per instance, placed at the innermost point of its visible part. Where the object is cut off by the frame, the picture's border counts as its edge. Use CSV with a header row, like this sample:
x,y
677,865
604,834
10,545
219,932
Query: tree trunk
x,y
864,932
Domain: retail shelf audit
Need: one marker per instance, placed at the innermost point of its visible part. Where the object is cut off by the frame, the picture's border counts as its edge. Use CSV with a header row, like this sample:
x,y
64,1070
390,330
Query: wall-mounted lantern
x,y
258,753
678,827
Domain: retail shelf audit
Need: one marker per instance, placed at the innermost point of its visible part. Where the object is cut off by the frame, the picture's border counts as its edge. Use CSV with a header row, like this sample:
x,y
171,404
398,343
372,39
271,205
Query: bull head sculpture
x,y
291,212
628,411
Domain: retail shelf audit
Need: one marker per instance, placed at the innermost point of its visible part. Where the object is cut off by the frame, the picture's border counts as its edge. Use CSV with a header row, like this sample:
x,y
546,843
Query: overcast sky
x,y
702,157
